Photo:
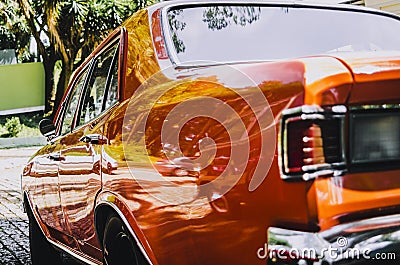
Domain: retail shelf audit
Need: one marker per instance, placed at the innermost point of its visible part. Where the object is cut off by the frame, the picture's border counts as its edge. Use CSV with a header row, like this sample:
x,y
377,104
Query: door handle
x,y
94,139
56,157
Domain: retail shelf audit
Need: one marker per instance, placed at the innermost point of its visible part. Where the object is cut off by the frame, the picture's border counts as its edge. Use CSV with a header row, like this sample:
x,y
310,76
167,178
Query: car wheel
x,y
118,246
42,252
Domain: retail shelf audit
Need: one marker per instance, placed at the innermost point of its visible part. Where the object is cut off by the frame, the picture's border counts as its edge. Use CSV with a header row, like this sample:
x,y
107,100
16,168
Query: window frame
x,y
117,37
65,103
114,63
114,42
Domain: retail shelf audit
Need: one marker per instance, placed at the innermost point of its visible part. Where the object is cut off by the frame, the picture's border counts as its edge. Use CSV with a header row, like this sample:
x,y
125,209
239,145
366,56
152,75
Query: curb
x,y
6,143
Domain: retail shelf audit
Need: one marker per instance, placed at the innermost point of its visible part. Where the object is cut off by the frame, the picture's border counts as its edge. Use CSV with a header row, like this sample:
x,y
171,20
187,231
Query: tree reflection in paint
x,y
219,17
176,25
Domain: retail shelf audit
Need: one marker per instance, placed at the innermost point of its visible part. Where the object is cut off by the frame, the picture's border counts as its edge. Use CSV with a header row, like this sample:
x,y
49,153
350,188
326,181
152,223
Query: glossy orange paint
x,y
362,195
188,227
375,77
328,81
179,224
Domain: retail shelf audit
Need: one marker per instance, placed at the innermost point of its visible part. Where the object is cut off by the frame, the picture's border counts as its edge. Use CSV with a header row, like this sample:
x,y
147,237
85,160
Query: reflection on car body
x,y
278,123
108,163
181,166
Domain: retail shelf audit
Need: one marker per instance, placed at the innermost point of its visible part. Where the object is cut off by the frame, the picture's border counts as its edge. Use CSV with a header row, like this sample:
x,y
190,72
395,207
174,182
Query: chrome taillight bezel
x,y
318,115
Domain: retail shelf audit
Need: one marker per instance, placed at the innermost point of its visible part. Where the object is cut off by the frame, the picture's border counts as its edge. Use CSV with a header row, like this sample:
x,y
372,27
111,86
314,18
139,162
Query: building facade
x,y
392,6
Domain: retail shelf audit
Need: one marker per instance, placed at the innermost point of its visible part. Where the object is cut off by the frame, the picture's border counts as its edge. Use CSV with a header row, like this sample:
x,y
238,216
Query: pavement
x,y
14,242
14,230
22,142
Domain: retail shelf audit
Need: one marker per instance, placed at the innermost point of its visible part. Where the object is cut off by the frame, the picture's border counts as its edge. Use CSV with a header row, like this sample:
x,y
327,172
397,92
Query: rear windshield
x,y
221,33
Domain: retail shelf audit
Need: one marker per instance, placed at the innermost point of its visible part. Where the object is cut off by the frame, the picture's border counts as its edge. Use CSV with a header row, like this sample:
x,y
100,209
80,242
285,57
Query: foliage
x,y
73,28
64,30
14,32
26,122
13,126
79,25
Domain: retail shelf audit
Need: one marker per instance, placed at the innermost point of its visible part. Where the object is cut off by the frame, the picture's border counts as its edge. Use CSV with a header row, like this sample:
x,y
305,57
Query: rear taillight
x,y
374,137
312,142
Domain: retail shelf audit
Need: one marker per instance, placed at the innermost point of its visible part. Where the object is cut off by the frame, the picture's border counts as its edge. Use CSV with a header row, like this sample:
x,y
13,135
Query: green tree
x,y
14,32
73,29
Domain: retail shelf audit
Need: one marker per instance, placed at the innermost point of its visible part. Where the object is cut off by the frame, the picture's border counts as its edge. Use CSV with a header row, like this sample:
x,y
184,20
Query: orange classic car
x,y
289,111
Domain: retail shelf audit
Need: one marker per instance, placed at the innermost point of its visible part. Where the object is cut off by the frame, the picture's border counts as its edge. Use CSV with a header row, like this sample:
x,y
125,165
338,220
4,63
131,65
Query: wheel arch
x,y
104,209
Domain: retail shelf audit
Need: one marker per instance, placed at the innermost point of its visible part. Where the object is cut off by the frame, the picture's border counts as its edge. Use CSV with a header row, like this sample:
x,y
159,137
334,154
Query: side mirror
x,y
47,128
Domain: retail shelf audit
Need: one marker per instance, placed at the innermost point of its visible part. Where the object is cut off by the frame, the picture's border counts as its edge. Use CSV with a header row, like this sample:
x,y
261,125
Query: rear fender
x,y
109,203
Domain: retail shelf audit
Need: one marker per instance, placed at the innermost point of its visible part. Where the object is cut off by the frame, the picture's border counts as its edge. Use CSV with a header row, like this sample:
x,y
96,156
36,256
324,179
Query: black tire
x,y
118,246
42,252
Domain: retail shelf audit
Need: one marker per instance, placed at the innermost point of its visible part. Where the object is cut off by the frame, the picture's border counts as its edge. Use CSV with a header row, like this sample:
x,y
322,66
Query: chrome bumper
x,y
370,241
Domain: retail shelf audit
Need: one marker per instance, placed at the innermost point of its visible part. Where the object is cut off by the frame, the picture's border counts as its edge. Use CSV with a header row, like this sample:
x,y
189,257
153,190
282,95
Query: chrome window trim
x,y
115,41
65,104
115,62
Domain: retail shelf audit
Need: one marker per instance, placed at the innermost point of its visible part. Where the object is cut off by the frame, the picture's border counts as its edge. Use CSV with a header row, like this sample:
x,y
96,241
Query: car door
x,y
81,166
46,192
46,167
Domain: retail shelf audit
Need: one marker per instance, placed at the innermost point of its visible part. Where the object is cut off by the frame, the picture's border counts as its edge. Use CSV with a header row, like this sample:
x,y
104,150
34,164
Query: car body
x,y
292,112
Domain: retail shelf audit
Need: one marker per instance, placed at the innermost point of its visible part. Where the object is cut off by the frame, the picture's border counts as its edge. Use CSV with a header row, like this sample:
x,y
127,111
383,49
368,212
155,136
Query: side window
x,y
111,96
92,104
73,103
